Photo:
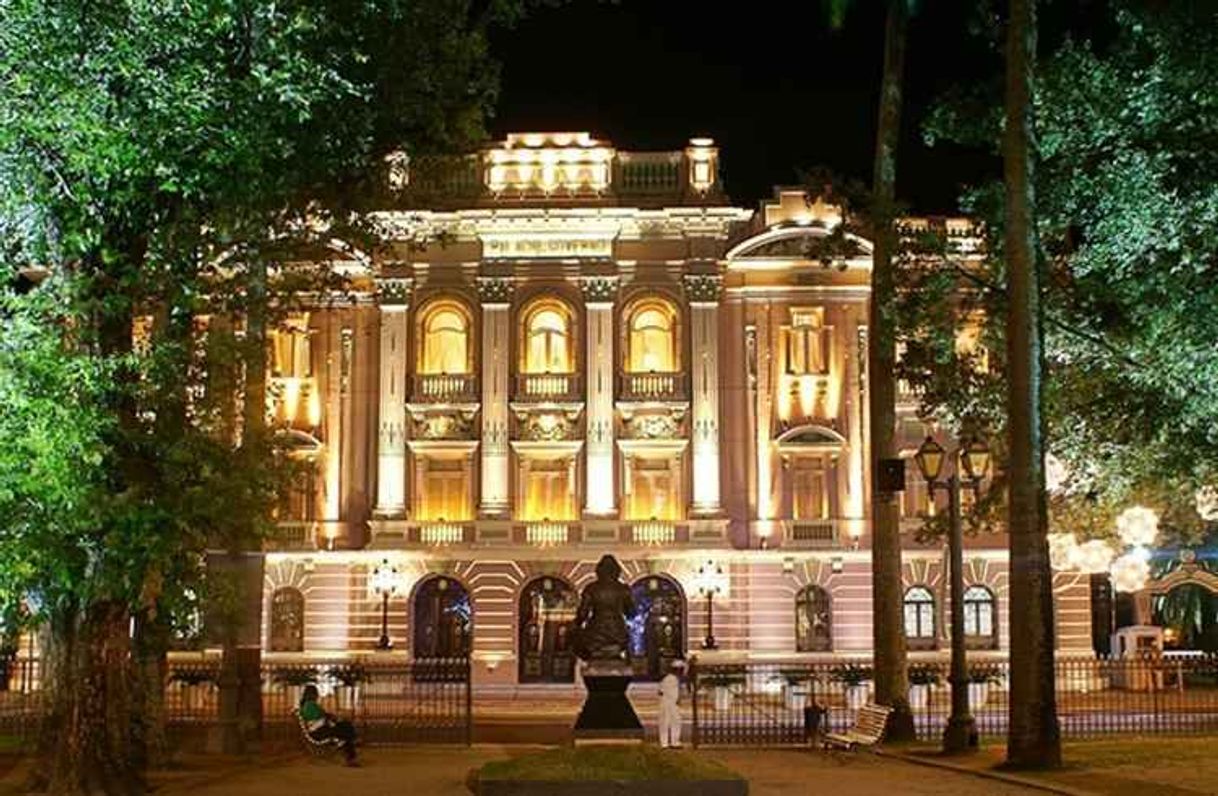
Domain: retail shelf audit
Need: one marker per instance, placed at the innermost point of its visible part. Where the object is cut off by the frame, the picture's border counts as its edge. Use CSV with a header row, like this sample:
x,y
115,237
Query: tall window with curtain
x,y
547,339
444,340
813,620
652,339
807,343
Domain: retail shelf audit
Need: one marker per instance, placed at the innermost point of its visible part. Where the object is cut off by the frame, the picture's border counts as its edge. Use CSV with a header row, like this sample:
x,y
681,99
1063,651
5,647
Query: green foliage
x,y
1127,189
607,763
851,673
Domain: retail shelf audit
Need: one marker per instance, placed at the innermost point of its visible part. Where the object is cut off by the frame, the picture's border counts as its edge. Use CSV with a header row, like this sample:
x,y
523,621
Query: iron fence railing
x,y
775,704
390,702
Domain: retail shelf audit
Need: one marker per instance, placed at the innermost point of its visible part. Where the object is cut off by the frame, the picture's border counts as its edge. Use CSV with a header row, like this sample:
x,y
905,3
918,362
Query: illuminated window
x,y
809,489
980,630
287,620
813,620
443,493
291,352
443,619
652,344
920,618
652,493
444,344
549,489
547,339
807,343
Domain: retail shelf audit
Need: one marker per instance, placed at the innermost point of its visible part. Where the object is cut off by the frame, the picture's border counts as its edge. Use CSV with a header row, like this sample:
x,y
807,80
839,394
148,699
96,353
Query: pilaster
x,y
394,301
495,294
703,292
600,495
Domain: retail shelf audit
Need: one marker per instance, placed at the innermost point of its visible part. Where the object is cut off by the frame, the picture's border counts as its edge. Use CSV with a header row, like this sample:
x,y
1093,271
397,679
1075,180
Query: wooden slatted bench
x,y
316,749
867,731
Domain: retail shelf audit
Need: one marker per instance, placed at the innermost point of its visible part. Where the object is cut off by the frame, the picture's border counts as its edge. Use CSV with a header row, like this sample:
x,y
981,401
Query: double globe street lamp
x,y
973,460
384,582
710,582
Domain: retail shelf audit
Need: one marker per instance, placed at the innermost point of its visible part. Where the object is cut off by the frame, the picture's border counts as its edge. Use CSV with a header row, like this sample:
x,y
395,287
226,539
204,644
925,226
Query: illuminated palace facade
x,y
576,350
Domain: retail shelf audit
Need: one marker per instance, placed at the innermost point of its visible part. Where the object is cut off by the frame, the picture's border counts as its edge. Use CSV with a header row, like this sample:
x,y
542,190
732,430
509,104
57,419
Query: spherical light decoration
x,y
1063,548
1130,573
1138,526
1094,556
1207,503
1056,474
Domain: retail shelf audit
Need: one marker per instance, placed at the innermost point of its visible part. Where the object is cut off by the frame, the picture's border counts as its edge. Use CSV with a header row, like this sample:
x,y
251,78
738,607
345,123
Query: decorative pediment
x,y
810,439
661,423
448,423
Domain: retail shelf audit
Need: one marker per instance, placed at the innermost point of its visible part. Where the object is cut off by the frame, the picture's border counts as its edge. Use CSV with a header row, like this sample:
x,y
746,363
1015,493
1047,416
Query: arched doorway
x,y
657,629
547,613
442,619
1188,613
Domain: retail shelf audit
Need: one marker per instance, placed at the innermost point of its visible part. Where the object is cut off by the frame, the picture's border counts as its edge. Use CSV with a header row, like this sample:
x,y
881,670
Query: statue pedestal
x,y
607,715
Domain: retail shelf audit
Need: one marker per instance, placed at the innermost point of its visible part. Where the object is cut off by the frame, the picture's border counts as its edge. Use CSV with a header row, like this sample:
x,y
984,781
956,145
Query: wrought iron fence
x,y
390,702
776,704
20,698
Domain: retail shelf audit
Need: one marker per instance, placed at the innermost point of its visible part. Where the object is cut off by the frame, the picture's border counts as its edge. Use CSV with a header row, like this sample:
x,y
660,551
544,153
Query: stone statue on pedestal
x,y
600,620
602,641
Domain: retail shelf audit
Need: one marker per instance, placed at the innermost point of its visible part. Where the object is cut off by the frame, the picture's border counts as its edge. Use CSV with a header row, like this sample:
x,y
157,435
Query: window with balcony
x,y
651,345
547,338
443,491
920,618
548,489
807,343
809,489
292,395
444,339
652,488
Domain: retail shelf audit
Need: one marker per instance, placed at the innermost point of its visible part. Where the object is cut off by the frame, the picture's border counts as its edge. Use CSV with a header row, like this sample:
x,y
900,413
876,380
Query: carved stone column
x,y
394,301
600,496
703,292
496,296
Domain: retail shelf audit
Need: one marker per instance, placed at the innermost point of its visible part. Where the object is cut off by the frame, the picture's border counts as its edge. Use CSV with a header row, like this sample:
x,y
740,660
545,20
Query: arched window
x,y
547,617
920,618
442,619
652,343
444,348
813,620
547,339
980,630
657,628
287,620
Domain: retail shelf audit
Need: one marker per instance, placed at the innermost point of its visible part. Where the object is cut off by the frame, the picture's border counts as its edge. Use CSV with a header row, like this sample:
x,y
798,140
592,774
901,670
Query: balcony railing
x,y
441,533
652,387
565,387
813,533
545,534
653,532
295,535
446,388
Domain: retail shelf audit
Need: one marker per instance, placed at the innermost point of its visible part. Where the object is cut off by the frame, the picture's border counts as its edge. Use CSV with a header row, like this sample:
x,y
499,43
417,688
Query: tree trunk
x,y
150,747
85,745
891,682
1034,738
240,666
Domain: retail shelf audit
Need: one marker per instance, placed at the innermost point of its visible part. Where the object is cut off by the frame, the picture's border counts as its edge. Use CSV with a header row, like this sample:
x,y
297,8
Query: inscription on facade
x,y
533,246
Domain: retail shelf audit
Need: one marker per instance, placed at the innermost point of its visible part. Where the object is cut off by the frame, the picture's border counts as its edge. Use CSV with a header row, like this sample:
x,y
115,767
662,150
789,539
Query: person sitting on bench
x,y
323,726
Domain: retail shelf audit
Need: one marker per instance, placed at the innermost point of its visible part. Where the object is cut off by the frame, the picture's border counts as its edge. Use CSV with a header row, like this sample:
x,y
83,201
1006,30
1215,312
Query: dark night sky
x,y
770,81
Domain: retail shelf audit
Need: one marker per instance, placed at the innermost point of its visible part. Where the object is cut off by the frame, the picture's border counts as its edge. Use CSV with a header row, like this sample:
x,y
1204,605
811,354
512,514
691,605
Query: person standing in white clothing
x,y
670,714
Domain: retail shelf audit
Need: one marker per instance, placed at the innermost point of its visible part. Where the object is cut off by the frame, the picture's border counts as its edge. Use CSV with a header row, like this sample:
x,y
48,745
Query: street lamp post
x,y
710,583
385,583
973,458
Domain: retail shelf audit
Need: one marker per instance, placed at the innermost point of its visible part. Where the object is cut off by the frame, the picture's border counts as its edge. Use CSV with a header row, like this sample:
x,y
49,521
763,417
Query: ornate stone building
x,y
570,350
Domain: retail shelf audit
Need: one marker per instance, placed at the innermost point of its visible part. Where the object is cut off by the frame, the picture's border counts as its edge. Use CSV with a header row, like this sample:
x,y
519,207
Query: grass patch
x,y
641,762
1140,752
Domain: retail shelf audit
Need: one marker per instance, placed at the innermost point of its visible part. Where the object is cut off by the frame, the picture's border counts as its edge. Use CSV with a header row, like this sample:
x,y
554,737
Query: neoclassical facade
x,y
572,350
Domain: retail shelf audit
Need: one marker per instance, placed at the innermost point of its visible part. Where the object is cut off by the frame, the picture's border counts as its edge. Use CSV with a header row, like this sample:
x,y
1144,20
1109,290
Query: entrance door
x,y
442,619
657,629
547,614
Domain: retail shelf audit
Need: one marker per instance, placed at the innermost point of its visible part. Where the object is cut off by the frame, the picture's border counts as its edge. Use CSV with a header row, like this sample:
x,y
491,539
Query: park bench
x,y
868,729
315,748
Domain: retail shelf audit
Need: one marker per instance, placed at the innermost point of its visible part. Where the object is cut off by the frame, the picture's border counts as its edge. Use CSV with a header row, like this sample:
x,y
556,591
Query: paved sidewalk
x,y
428,771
